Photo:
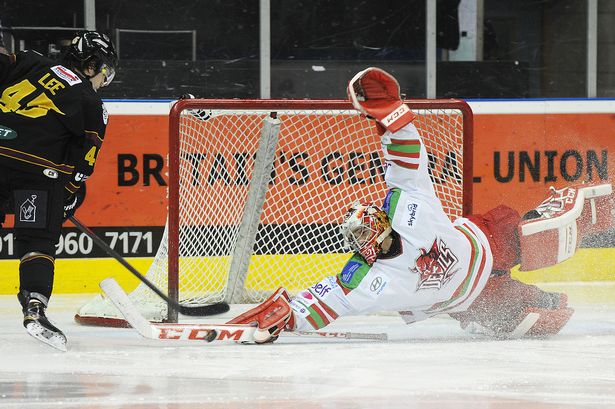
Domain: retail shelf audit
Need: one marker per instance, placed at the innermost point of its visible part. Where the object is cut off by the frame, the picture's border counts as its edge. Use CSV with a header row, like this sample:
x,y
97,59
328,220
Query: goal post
x,y
257,189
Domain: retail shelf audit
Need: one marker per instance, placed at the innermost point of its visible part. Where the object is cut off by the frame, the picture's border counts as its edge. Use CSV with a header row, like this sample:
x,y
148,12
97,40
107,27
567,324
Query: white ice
x,y
431,364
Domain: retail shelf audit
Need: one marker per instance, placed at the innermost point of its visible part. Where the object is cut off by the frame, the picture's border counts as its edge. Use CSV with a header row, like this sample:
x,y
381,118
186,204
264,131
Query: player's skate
x,y
37,324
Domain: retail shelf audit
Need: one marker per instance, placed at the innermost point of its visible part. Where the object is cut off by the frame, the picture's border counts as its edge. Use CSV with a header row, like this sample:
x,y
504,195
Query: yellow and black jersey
x,y
51,119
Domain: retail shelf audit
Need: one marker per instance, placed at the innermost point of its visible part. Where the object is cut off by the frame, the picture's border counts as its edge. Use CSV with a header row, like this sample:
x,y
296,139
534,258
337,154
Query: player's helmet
x,y
94,50
364,228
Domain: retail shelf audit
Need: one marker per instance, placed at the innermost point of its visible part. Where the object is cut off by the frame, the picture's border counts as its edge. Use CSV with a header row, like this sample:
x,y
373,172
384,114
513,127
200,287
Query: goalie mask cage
x,y
257,189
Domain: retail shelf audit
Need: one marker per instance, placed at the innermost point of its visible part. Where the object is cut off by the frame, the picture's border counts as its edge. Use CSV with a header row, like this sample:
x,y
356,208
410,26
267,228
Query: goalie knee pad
x,y
36,274
376,94
552,232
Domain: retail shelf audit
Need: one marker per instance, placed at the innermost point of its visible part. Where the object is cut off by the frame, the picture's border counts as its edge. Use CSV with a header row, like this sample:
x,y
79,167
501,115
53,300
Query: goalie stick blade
x,y
236,333
121,301
174,332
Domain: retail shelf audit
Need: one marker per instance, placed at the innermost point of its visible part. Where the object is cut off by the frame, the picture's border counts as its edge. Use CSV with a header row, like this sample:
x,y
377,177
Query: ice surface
x,y
431,364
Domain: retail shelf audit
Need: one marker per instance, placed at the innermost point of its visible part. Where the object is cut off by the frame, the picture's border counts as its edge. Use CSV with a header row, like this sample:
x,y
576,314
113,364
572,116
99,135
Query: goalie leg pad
x,y
550,322
505,302
272,317
552,232
598,210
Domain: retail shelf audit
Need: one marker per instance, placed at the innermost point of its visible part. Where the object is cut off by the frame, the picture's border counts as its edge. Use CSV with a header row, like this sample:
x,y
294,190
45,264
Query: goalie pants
x,y
38,205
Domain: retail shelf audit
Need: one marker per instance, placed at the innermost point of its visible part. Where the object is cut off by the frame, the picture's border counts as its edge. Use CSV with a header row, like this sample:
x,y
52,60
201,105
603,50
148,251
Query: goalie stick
x,y
187,332
197,311
203,332
345,335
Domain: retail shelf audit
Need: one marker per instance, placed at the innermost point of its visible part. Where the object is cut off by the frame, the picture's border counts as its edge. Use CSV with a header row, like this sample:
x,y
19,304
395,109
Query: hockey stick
x,y
204,332
177,332
202,310
345,335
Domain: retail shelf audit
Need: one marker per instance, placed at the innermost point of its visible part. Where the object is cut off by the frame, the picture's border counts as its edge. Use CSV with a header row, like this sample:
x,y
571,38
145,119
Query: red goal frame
x,y
276,105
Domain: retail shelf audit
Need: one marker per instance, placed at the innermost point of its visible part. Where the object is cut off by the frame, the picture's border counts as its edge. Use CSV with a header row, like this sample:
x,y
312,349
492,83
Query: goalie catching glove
x,y
376,94
272,317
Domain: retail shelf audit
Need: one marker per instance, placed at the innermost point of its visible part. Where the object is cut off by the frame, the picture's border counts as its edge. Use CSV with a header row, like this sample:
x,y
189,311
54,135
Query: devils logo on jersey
x,y
435,266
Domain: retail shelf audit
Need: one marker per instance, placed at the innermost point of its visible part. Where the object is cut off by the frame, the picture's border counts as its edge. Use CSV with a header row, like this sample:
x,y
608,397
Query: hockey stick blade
x,y
200,311
118,297
174,332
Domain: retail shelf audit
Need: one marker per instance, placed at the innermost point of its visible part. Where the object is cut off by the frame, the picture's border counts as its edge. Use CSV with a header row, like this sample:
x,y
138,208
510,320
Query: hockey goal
x,y
257,189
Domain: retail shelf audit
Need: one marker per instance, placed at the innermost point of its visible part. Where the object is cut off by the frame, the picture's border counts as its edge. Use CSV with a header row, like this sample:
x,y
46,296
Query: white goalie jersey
x,y
437,266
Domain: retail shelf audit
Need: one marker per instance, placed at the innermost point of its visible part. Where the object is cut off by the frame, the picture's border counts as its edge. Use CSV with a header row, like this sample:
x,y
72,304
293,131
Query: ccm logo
x,y
395,115
197,334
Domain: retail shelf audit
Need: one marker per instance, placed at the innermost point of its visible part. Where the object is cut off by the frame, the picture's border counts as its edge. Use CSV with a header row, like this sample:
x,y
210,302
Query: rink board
x,y
84,275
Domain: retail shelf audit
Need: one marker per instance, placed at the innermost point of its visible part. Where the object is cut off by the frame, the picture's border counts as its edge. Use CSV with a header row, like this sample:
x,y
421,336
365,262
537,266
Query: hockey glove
x,y
273,316
375,93
72,201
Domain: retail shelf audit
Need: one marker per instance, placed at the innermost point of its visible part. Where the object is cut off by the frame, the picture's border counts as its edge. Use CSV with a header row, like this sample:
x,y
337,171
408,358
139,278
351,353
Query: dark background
x,y
532,48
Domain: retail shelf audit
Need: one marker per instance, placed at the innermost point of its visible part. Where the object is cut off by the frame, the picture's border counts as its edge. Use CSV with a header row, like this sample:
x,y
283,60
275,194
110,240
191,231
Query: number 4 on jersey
x,y
90,157
39,106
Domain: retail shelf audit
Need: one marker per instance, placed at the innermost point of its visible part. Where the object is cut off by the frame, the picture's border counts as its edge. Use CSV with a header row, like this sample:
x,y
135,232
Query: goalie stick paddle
x,y
237,333
176,332
197,311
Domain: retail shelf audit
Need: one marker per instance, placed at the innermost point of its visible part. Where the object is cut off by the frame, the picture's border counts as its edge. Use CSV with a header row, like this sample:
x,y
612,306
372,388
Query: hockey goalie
x,y
410,258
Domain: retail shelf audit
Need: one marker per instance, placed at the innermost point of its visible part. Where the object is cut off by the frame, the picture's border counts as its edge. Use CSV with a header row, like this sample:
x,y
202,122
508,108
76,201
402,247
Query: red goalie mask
x,y
364,228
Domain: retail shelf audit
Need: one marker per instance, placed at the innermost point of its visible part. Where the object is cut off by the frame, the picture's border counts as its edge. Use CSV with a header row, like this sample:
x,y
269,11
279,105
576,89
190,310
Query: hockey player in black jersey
x,y
52,125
